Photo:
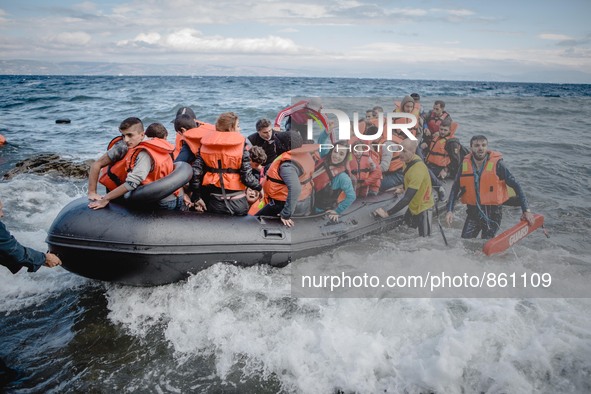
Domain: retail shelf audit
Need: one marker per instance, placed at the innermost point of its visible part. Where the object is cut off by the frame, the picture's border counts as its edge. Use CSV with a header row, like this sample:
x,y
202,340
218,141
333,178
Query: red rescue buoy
x,y
505,240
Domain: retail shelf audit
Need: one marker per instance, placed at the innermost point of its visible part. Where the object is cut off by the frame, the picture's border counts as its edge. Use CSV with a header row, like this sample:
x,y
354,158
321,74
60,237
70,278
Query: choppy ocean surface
x,y
230,329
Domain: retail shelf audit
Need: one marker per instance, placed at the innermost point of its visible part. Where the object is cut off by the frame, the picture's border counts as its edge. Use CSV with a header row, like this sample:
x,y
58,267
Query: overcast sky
x,y
495,39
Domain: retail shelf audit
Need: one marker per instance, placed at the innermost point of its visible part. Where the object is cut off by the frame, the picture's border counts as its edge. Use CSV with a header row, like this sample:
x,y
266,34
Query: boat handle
x,y
272,233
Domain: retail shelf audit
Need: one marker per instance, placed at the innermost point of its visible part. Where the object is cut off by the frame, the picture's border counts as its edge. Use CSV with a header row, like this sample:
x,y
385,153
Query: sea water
x,y
235,329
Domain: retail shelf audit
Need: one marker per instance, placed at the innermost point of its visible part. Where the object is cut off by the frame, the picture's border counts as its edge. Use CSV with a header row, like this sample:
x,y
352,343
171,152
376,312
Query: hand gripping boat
x,y
155,247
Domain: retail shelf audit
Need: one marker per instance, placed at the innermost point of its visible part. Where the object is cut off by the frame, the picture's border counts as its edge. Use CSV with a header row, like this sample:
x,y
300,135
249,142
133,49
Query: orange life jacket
x,y
178,145
114,174
222,154
159,150
433,124
437,154
256,206
274,186
192,137
493,191
360,166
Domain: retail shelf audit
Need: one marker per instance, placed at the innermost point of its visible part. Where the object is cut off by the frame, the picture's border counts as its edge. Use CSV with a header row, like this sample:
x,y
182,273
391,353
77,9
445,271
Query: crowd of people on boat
x,y
279,171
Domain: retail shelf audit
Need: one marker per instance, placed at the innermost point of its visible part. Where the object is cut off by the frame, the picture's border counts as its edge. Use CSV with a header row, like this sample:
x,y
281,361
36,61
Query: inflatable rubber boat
x,y
154,247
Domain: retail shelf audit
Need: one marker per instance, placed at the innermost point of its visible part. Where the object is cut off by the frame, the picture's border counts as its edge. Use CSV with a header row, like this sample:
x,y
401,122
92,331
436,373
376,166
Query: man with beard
x,y
483,180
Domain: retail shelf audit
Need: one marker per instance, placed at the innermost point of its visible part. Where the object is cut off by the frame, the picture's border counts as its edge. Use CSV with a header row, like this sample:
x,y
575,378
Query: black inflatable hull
x,y
147,248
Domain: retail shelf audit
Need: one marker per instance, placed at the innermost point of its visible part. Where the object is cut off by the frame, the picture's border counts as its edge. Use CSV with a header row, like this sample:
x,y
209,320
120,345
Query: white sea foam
x,y
244,318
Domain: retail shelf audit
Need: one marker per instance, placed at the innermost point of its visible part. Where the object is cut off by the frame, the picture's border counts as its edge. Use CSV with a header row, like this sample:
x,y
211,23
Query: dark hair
x,y
288,140
156,130
258,155
415,96
185,111
478,138
446,122
262,123
184,121
441,103
129,122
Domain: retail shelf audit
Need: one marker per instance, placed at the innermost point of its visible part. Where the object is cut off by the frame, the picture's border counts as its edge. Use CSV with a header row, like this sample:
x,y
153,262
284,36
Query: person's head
x,y
156,130
370,114
479,146
438,107
445,127
257,156
415,97
132,131
288,140
183,123
409,148
377,109
228,121
186,111
339,153
407,104
252,195
264,129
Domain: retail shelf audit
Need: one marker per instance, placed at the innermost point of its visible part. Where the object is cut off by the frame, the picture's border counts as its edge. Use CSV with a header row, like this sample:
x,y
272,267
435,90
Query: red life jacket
x,y
192,137
222,154
433,123
493,191
274,186
437,154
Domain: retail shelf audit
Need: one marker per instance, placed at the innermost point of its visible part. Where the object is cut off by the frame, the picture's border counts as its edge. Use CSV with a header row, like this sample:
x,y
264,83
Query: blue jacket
x,y
15,256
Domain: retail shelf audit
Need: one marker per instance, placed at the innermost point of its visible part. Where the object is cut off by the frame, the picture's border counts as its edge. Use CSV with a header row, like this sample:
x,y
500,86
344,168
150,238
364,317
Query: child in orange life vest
x,y
221,171
255,201
117,151
178,143
365,173
145,162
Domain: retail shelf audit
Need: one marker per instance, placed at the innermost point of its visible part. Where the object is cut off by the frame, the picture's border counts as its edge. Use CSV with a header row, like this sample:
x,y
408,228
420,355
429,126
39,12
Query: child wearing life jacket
x,y
332,180
365,172
257,158
145,162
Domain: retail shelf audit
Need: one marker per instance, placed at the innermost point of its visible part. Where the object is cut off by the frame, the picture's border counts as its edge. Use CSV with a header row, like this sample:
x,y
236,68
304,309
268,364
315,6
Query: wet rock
x,y
50,163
